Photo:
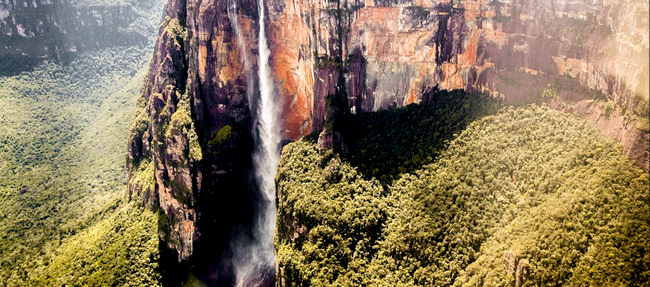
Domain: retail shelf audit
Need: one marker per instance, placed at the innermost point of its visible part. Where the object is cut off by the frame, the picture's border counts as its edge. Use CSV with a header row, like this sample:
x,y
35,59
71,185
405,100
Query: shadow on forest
x,y
388,143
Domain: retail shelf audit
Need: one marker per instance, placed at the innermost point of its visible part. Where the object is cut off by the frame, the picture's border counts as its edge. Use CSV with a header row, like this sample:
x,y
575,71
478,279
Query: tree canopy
x,y
532,186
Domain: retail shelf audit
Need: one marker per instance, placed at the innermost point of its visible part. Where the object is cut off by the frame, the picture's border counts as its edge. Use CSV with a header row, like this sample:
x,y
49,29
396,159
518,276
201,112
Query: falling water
x,y
256,262
268,155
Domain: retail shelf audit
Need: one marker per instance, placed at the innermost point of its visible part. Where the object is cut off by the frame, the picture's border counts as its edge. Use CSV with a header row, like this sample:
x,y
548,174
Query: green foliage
x,y
143,180
643,124
62,147
520,165
174,30
120,250
591,232
329,218
181,122
540,183
642,108
642,113
608,108
140,120
550,92
222,135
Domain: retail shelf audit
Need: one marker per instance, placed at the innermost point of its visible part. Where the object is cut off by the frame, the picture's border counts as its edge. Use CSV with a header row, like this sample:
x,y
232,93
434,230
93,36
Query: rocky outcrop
x,y
516,267
33,31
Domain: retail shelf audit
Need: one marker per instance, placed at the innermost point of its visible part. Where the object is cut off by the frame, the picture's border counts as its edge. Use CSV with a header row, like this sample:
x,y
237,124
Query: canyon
x,y
337,84
193,134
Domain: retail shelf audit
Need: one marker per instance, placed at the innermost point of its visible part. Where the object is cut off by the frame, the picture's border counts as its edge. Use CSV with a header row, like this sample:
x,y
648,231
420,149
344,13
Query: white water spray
x,y
258,259
268,113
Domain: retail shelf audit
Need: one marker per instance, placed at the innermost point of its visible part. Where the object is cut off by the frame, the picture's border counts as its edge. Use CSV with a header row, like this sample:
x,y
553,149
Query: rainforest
x,y
324,143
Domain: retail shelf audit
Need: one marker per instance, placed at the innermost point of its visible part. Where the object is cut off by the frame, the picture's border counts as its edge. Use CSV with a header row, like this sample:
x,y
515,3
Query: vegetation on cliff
x,y
529,196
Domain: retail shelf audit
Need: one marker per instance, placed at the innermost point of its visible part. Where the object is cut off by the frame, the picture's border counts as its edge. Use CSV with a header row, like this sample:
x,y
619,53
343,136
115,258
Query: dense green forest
x,y
64,217
528,196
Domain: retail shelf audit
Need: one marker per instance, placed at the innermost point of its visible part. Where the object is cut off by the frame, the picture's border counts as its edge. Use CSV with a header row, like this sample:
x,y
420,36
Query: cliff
x,y
401,52
33,31
192,136
191,139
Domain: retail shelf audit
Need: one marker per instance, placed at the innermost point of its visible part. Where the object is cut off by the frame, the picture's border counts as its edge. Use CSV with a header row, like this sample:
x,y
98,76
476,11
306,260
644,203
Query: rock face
x,y
386,52
192,137
32,31
192,132
399,52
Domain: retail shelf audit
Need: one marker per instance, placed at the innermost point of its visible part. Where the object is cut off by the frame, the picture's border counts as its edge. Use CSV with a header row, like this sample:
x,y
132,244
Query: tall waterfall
x,y
256,260
267,155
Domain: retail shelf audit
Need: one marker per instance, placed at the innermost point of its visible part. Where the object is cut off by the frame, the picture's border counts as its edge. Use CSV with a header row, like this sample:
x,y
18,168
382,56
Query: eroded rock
x,y
516,267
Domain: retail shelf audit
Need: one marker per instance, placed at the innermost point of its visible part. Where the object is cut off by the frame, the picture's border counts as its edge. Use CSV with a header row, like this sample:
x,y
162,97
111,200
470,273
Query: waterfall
x,y
255,261
267,155
268,127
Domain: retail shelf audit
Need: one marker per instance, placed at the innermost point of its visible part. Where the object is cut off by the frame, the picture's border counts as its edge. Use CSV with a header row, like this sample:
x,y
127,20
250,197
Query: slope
x,y
529,196
64,219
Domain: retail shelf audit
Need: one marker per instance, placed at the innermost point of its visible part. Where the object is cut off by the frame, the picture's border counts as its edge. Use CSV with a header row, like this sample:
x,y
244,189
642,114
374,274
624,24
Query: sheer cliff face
x,y
192,137
192,129
397,52
400,52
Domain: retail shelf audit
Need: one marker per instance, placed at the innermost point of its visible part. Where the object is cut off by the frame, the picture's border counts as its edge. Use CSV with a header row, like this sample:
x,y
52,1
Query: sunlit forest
x,y
64,217
540,189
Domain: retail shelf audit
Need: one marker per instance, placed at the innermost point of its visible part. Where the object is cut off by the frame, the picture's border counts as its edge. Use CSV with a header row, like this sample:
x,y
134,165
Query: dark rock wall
x,y
194,124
